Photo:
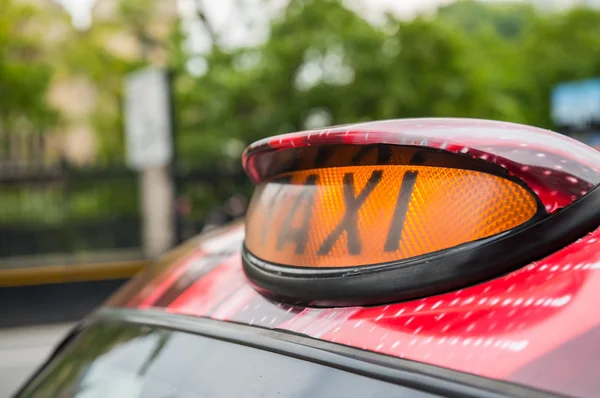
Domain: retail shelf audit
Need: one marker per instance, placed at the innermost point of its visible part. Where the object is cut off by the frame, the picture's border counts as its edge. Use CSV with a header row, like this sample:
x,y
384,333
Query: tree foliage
x,y
509,20
323,64
24,74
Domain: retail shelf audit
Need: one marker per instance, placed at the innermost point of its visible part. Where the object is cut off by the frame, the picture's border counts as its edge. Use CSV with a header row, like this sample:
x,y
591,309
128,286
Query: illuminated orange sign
x,y
361,215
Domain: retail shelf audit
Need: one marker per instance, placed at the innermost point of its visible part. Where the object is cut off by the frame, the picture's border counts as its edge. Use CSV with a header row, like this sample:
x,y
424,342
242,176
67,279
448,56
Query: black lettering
x,y
349,221
418,158
384,154
281,182
392,242
293,163
298,235
324,153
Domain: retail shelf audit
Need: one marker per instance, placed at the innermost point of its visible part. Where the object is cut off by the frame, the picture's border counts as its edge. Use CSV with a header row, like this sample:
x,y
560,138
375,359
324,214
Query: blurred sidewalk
x,y
23,349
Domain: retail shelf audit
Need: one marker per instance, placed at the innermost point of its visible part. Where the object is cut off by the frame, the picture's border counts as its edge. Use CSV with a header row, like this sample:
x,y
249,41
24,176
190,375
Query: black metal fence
x,y
61,209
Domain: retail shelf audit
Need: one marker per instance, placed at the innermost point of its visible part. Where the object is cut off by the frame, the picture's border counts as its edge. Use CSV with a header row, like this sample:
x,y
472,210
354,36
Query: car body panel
x,y
538,325
514,328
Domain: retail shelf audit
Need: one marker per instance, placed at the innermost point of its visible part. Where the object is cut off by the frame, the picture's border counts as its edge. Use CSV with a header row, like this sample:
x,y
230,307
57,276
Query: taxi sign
x,y
361,215
395,210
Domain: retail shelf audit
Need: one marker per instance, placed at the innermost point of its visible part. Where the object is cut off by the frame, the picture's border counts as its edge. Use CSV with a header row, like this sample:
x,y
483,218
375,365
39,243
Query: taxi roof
x,y
522,327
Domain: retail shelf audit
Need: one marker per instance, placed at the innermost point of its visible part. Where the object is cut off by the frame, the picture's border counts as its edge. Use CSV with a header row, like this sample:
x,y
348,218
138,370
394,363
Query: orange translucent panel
x,y
361,215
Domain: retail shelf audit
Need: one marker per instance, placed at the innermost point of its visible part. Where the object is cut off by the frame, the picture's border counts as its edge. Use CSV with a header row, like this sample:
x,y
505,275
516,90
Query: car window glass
x,y
130,361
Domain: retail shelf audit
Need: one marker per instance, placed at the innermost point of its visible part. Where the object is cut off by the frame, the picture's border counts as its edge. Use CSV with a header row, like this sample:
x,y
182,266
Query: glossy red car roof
x,y
537,326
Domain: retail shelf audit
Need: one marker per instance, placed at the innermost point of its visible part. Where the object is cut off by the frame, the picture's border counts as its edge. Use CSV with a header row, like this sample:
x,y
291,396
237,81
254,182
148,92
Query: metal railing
x,y
57,209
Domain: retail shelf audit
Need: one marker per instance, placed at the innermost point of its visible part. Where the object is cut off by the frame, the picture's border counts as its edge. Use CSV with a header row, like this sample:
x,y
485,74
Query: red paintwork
x,y
557,168
521,327
492,329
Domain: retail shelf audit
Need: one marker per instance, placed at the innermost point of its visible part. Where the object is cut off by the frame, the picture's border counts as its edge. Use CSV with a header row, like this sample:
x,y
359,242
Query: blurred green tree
x,y
24,73
559,48
104,54
509,19
322,64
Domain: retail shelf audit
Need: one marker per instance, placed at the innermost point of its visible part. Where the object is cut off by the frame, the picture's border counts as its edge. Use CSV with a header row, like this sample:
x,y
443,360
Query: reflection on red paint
x,y
210,290
492,329
157,287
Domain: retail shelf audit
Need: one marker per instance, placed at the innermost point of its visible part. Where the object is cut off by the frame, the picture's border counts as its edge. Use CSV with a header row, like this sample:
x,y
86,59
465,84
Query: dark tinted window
x,y
129,361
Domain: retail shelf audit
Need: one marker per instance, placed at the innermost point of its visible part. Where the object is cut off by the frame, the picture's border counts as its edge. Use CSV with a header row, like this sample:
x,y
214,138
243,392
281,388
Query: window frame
x,y
406,373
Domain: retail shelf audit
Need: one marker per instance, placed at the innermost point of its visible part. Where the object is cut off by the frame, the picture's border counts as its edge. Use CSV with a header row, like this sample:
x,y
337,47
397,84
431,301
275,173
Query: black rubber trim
x,y
416,375
430,274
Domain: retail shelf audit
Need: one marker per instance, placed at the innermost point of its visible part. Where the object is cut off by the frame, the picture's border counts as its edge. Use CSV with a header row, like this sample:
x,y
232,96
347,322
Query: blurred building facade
x,y
76,96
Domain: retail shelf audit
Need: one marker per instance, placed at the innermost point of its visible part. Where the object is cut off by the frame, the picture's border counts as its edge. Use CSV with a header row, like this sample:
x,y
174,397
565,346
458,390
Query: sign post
x,y
149,150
